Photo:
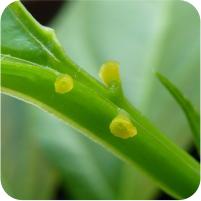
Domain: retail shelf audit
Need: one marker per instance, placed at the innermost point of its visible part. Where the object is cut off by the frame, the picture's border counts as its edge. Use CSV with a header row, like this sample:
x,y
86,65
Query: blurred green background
x,y
41,158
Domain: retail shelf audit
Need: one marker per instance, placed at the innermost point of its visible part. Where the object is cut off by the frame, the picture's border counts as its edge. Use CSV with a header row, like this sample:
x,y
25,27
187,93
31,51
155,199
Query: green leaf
x,y
149,149
191,114
31,34
32,44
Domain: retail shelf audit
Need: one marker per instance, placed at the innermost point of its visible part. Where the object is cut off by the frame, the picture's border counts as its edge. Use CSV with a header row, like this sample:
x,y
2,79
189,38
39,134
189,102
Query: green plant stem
x,y
178,160
173,169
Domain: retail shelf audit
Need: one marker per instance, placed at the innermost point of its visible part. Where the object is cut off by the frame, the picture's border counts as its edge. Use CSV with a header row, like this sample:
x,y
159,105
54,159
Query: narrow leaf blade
x,y
192,115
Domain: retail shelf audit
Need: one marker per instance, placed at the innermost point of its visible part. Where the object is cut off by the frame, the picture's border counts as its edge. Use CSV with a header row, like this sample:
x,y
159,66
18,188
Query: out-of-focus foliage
x,y
24,168
142,35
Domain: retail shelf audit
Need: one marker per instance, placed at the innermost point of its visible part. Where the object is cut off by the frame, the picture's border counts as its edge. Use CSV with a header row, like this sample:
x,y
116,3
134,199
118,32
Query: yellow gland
x,y
109,72
122,127
63,84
